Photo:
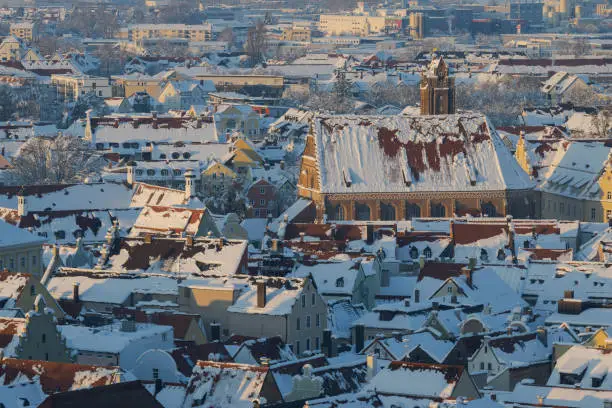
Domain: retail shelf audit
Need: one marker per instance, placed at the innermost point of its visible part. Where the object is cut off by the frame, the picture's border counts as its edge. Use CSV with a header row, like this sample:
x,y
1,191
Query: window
x,y
177,172
262,190
303,300
340,282
150,172
317,343
297,324
561,207
482,366
22,262
32,290
308,322
427,252
484,256
609,195
313,298
155,373
262,202
449,289
307,344
34,260
11,264
164,336
297,347
414,253
318,320
593,214
256,213
44,338
164,172
489,366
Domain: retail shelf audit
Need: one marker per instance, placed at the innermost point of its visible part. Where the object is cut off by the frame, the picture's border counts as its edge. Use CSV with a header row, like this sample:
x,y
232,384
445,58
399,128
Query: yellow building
x,y
70,87
296,34
11,49
128,85
26,31
217,179
138,32
359,25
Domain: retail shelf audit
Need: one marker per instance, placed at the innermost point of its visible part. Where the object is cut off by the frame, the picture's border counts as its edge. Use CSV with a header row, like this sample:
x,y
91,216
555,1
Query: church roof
x,y
401,154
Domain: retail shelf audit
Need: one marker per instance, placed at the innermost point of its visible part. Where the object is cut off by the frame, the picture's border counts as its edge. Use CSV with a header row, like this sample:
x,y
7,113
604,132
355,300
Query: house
x,y
174,221
343,180
183,94
424,381
34,337
118,104
118,344
543,395
262,197
20,250
239,118
226,385
559,87
230,228
21,290
583,365
501,356
348,279
219,179
187,327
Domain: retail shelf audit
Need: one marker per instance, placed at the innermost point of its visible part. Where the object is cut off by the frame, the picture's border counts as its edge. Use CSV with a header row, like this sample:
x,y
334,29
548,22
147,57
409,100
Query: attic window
x,y
346,176
427,252
484,255
414,253
501,255
340,282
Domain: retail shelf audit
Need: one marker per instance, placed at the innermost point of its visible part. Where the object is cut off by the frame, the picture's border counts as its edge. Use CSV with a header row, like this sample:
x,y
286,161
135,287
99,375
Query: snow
x,y
110,339
344,145
333,278
525,394
11,286
279,300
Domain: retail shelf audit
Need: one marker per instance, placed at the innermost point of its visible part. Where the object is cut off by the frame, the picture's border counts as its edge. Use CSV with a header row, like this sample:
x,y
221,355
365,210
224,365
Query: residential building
x,y
27,31
139,32
20,250
262,198
71,87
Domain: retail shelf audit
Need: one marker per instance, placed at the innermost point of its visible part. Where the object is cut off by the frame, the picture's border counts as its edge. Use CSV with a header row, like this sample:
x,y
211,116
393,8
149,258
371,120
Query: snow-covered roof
x,y
590,364
225,385
148,194
532,395
169,220
332,278
413,153
11,286
109,339
13,236
281,295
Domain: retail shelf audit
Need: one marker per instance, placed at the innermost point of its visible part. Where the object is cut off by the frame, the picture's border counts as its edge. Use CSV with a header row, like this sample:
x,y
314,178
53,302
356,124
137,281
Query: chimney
x,y
327,343
372,366
452,229
385,278
215,332
22,204
131,177
509,330
467,272
189,189
542,334
75,291
274,247
359,337
189,240
370,234
148,239
158,386
261,294
282,165
568,294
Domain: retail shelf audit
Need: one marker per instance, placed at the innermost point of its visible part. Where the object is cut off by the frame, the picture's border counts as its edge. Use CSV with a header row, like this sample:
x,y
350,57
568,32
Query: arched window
x,y
488,209
362,212
438,210
165,172
387,212
186,155
139,172
412,211
150,172
176,155
162,156
339,213
427,252
177,172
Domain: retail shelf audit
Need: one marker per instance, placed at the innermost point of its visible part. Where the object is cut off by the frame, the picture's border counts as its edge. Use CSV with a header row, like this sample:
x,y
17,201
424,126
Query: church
x,y
437,164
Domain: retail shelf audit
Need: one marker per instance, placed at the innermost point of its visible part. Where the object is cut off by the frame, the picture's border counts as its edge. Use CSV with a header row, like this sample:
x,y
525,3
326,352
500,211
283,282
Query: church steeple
x,y
437,89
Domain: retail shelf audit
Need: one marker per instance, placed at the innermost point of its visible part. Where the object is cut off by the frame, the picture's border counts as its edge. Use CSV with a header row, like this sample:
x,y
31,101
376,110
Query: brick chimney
x,y
261,294
75,292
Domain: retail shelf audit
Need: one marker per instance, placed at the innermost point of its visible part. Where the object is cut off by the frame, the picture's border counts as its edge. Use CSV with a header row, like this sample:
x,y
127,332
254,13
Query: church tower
x,y
437,89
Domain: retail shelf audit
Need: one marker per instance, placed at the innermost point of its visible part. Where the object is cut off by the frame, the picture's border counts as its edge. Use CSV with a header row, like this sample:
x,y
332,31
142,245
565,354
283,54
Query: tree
x,y
7,107
77,110
256,43
602,124
227,35
61,159
343,87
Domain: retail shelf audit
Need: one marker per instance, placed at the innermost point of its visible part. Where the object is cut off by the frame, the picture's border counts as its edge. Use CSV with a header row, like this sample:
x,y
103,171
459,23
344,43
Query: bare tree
x,y
7,107
602,124
62,159
256,43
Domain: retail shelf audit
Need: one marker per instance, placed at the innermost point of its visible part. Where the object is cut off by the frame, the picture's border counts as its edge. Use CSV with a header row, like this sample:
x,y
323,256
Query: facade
x,y
437,90
71,87
358,25
139,32
23,253
27,31
302,34
386,168
262,197
11,49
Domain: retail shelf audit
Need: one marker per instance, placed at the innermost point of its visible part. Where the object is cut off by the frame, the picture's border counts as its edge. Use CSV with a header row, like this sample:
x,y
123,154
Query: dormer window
x,y
484,255
427,252
340,282
501,255
414,253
